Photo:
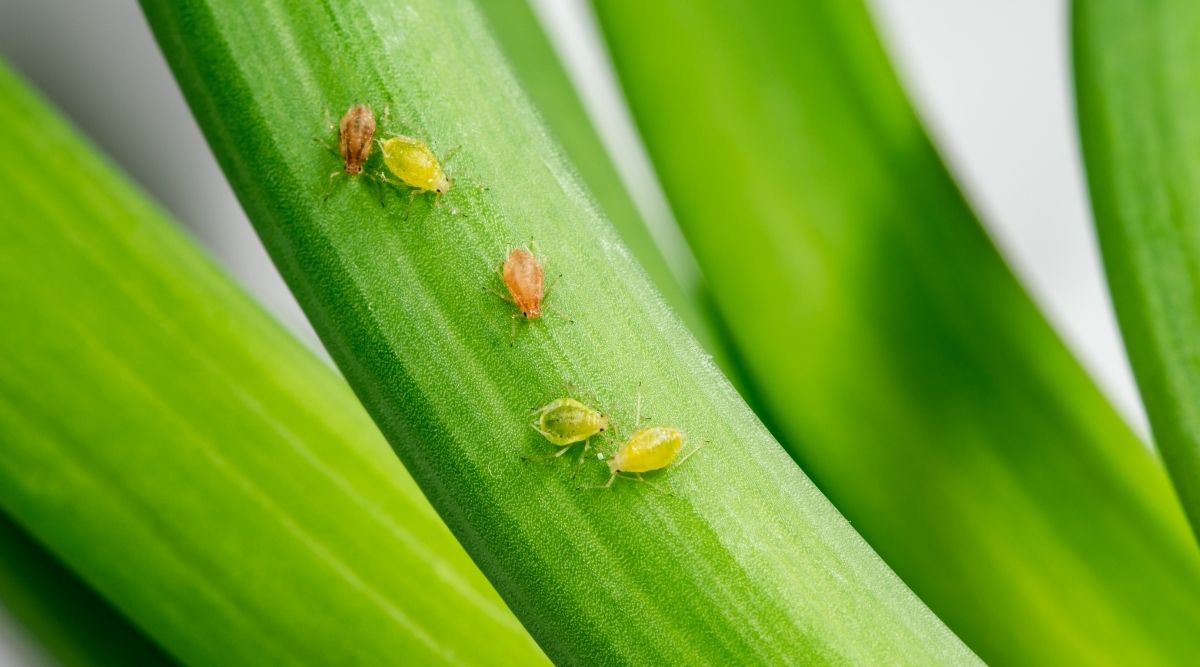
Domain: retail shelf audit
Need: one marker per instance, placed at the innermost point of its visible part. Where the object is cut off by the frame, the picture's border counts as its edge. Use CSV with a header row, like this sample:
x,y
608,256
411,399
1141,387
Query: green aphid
x,y
566,421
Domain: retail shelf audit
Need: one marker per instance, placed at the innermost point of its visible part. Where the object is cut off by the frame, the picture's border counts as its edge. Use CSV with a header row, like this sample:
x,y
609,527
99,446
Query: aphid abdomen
x,y
356,132
522,274
571,425
649,449
411,161
566,421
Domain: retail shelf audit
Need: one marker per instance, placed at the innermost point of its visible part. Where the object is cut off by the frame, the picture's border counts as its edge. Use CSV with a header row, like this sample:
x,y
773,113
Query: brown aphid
x,y
522,275
356,133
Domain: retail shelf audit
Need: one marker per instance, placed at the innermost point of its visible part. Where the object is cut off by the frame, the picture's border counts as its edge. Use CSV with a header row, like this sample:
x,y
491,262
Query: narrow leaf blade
x,y
892,350
398,295
1138,70
188,458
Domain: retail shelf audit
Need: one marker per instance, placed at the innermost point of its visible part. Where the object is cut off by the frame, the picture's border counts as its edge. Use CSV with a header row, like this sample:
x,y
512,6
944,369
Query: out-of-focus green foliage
x,y
69,622
891,348
190,460
1137,70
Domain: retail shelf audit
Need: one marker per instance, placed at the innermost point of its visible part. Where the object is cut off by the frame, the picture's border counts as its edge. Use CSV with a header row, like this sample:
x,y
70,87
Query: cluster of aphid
x,y
414,164
564,421
409,160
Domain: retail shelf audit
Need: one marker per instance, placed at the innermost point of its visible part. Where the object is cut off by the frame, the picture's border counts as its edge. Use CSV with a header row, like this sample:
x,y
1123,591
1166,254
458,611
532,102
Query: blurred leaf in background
x,y
1137,78
189,459
890,346
68,621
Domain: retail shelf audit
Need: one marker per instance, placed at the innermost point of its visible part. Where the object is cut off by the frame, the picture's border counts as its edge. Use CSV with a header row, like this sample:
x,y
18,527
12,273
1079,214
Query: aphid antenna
x,y
637,422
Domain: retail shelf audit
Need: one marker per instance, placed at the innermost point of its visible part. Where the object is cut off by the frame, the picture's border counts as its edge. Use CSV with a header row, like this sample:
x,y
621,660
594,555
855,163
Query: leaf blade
x,y
891,347
1138,137
212,479
400,304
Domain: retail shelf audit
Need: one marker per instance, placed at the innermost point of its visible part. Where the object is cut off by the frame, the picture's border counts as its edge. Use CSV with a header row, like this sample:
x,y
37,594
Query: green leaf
x,y
57,610
893,351
1137,75
744,561
189,459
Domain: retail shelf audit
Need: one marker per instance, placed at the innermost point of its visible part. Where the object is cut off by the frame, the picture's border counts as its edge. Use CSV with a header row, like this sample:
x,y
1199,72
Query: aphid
x,y
652,448
648,449
411,161
566,421
522,275
356,133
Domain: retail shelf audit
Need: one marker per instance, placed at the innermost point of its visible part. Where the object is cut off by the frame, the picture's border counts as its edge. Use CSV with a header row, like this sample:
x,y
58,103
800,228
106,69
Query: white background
x,y
992,79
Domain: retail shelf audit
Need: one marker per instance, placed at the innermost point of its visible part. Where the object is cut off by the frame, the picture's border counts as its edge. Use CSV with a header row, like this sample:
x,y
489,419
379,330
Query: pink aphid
x,y
522,275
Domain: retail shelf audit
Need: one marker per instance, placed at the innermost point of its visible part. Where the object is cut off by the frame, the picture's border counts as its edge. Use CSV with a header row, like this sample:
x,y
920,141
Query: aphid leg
x,y
638,477
512,334
408,207
558,313
546,292
498,293
539,429
324,143
547,457
605,485
582,456
383,182
329,187
380,184
551,309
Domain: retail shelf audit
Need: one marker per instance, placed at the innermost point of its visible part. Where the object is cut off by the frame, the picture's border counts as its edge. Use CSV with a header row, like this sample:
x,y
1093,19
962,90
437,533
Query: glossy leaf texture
x,y
893,351
1137,75
189,459
734,557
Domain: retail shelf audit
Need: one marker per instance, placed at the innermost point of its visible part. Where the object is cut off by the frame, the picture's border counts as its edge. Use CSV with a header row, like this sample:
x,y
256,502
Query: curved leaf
x,y
57,610
745,561
1138,70
893,351
190,460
